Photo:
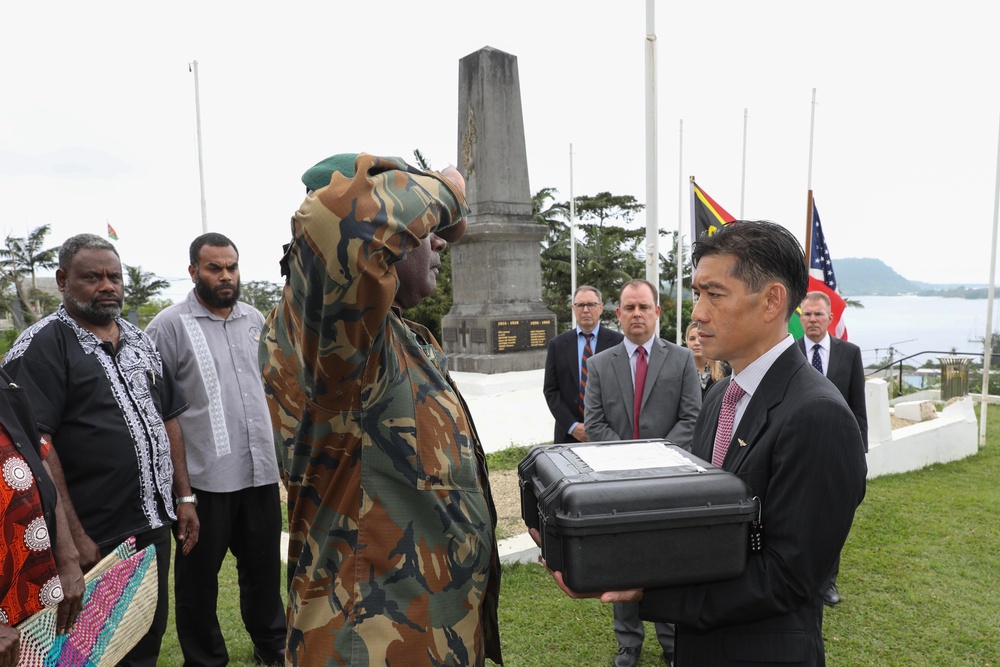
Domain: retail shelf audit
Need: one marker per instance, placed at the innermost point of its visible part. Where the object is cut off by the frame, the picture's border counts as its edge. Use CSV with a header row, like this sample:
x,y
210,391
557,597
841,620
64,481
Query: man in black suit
x,y
840,362
792,439
564,381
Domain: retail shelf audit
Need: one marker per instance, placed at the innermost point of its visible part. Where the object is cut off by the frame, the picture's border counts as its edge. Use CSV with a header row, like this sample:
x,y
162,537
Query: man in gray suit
x,y
666,406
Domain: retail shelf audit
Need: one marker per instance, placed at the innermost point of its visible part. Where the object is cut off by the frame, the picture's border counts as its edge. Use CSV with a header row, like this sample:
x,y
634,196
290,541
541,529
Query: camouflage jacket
x,y
392,556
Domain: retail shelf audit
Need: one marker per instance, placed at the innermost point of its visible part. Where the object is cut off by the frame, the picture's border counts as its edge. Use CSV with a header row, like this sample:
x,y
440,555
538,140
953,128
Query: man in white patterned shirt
x,y
209,343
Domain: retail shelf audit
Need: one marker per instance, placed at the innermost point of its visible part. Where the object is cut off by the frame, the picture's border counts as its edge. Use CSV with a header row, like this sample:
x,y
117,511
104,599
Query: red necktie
x,y
640,385
587,353
724,435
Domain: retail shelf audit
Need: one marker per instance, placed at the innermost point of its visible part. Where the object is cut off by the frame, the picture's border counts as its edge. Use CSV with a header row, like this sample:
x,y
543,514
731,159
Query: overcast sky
x,y
97,113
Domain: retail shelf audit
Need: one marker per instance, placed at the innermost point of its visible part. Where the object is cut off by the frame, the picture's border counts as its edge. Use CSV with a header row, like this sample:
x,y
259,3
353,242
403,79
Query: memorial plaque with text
x,y
523,334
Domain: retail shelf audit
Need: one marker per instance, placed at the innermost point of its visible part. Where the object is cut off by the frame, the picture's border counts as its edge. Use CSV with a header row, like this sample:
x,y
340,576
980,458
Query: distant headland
x,y
864,276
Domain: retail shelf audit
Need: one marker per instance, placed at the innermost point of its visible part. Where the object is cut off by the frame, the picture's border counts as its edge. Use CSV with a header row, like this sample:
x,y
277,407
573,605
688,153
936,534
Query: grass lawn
x,y
237,641
920,578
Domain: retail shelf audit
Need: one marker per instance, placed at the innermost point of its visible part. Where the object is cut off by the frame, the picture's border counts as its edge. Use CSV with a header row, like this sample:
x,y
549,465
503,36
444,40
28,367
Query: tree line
x,y
23,303
609,253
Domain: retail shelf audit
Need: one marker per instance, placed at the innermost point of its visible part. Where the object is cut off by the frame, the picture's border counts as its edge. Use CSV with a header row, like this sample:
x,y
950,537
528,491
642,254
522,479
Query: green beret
x,y
319,175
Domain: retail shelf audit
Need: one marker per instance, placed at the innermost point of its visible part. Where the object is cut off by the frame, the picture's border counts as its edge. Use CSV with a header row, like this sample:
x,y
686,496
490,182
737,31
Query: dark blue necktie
x,y
817,362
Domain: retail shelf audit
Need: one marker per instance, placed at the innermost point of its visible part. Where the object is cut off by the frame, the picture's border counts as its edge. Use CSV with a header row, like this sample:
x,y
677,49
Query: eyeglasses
x,y
586,306
818,315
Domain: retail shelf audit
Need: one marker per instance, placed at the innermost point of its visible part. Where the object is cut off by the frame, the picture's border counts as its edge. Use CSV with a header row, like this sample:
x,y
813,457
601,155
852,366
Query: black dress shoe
x,y
627,656
831,596
272,659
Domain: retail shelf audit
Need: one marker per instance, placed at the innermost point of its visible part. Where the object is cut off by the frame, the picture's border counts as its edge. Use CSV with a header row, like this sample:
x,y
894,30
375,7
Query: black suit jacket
x,y
562,378
847,373
800,452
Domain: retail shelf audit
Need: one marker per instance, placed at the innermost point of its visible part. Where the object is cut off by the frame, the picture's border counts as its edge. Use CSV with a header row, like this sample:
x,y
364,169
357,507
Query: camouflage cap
x,y
318,176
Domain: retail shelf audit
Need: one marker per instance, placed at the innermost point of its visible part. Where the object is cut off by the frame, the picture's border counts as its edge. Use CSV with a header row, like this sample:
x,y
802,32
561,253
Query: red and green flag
x,y
112,234
706,215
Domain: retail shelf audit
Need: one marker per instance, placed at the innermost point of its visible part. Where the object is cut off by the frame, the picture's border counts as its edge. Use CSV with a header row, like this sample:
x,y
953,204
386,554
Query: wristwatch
x,y
193,499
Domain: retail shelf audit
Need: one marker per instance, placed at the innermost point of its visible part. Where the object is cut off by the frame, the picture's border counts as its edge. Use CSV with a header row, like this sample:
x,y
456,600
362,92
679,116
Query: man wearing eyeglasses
x,y
566,364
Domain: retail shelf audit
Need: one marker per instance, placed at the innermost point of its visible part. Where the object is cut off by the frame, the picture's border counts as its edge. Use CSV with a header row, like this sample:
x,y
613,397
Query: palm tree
x,y
142,286
25,256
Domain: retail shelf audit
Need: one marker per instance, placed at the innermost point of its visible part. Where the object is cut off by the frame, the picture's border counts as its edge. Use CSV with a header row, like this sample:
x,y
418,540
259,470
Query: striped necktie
x,y
587,353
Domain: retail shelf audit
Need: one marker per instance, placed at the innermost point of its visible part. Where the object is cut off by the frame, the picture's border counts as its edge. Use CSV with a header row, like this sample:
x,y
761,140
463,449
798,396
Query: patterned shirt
x,y
227,429
392,557
29,581
105,409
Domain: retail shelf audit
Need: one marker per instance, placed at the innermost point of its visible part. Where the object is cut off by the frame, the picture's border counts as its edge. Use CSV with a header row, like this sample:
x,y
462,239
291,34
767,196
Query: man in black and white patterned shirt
x,y
101,397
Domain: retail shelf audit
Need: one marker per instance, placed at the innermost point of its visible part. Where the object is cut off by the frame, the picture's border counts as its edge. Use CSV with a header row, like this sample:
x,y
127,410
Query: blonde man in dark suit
x,y
840,362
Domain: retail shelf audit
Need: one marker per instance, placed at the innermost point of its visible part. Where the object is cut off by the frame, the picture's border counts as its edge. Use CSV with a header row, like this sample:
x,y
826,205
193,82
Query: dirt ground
x,y
507,496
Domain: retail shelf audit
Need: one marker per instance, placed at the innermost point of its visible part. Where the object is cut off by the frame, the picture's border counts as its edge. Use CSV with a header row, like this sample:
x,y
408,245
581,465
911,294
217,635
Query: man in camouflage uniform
x,y
392,557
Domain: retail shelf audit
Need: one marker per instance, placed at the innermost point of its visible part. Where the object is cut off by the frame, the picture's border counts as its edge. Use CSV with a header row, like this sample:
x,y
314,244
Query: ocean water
x,y
918,324
909,324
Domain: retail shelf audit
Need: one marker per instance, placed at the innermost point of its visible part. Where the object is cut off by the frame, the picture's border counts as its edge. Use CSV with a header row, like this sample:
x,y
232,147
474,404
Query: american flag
x,y
822,278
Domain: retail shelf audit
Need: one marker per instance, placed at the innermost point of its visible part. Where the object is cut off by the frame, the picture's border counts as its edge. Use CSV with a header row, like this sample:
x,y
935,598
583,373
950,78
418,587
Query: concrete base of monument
x,y
491,364
516,340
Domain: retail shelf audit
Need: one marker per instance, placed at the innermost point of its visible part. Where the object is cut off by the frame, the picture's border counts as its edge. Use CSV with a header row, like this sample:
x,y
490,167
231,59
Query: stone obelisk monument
x,y
498,322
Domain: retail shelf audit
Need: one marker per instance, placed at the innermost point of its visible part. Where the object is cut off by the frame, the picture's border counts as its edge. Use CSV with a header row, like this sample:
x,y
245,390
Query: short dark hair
x,y
764,251
636,282
74,244
213,239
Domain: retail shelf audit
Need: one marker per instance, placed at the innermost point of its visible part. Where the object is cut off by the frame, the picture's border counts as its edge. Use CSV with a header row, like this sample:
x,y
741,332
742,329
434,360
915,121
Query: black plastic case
x,y
635,514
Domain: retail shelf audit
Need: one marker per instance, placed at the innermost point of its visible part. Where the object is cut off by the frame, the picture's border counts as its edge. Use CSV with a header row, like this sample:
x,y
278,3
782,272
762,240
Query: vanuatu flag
x,y
112,234
706,215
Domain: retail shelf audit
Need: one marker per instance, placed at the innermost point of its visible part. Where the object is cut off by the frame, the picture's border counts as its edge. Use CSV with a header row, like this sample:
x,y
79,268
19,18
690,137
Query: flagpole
x,y
193,67
809,178
680,233
694,217
572,238
809,218
652,204
988,341
743,177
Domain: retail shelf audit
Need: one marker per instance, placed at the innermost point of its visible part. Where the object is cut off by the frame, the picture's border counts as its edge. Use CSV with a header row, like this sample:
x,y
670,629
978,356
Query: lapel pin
x,y
741,441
